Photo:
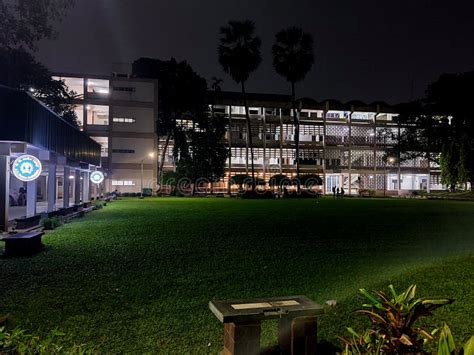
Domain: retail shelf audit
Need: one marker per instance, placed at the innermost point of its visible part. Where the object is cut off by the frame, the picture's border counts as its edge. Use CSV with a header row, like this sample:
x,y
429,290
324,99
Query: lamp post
x,y
151,155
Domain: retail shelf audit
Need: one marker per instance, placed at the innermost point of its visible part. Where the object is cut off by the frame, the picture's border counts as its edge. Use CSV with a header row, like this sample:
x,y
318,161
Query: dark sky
x,y
367,49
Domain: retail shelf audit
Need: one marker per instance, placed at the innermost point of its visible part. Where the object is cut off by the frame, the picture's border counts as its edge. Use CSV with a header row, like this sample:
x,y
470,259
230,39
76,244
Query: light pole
x,y
151,155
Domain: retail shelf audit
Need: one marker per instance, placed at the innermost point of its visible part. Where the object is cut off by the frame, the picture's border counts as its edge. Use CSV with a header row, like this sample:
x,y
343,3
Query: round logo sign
x,y
97,177
26,168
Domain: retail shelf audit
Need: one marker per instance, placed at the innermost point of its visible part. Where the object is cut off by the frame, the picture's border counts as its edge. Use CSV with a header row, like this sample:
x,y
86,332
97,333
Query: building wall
x,y
120,114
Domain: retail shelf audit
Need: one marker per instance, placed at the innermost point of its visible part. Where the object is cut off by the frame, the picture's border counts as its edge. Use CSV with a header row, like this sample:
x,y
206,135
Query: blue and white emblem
x,y
97,177
27,168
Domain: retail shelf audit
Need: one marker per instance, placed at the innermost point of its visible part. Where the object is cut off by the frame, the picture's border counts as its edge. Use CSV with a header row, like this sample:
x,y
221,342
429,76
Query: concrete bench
x,y
23,244
297,325
28,222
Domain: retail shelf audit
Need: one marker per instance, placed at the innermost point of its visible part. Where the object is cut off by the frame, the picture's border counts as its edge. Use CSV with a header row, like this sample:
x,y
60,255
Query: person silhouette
x,y
342,192
337,192
334,191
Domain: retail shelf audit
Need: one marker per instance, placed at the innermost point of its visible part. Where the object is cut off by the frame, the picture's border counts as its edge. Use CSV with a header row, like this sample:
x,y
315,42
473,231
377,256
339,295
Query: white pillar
x,y
66,182
31,190
51,190
4,191
77,187
85,187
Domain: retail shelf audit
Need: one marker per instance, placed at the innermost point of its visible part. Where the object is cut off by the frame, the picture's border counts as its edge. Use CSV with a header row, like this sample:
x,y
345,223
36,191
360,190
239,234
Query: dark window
x,y
123,151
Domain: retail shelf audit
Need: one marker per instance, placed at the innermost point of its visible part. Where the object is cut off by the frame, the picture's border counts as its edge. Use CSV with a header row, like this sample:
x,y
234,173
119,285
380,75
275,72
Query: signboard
x,y
26,168
97,177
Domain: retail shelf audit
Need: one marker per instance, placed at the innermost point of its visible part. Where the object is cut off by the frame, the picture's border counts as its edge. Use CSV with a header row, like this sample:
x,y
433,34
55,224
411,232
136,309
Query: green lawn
x,y
137,275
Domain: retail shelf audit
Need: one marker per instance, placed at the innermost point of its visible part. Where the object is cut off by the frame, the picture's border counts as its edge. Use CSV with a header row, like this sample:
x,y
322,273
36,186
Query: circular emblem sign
x,y
26,168
97,177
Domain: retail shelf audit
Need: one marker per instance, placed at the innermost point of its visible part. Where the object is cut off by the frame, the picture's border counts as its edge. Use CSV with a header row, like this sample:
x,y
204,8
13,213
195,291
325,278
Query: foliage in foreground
x,y
18,341
394,327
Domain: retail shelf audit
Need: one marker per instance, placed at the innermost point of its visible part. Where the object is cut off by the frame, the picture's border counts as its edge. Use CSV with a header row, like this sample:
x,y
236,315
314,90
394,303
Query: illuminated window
x,y
104,145
123,183
98,86
124,120
73,84
97,114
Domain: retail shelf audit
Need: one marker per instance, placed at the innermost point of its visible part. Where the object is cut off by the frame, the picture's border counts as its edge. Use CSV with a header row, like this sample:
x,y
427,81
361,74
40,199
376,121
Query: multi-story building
x,y
346,144
120,113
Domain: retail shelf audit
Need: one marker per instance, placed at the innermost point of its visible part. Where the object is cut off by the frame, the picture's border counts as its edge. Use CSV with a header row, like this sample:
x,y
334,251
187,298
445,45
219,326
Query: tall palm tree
x,y
293,58
239,55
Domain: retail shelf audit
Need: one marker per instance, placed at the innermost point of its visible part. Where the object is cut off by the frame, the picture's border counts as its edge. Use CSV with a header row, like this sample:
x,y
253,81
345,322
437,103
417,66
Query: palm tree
x,y
239,55
293,58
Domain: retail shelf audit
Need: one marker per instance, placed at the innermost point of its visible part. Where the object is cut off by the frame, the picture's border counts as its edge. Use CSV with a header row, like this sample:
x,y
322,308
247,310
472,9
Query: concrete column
x,y
350,152
77,187
4,191
51,190
241,339
85,187
229,181
31,190
66,182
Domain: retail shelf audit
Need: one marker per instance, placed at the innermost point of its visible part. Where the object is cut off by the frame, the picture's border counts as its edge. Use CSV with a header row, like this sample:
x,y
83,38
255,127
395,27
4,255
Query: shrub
x,y
17,341
51,223
393,323
98,204
446,345
367,192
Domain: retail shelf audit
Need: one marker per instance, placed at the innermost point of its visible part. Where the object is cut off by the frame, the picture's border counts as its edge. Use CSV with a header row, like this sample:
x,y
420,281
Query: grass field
x,y
137,275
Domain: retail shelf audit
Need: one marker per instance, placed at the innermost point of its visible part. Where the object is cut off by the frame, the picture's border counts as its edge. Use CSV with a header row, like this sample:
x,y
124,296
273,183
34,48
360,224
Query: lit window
x,y
123,183
124,120
97,114
98,86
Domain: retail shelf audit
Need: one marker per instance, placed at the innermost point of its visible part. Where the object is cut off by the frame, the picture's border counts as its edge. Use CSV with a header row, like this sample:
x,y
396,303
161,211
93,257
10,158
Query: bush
x,y
51,223
98,204
257,194
393,320
17,341
302,194
367,192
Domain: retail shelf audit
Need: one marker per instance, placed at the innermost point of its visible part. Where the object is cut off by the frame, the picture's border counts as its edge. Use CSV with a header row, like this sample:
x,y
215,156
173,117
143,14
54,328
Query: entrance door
x,y
332,181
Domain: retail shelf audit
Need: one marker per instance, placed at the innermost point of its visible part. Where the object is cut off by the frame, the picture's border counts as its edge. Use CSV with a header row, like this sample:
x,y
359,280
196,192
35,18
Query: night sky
x,y
367,50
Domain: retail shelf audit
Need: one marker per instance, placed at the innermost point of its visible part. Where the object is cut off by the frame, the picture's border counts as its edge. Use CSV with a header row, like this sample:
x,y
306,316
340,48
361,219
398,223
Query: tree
x,y
440,128
24,22
239,55
19,70
293,58
203,158
182,97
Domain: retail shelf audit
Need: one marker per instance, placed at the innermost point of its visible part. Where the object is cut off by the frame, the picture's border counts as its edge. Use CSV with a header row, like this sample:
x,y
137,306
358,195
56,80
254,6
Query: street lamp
x,y
151,155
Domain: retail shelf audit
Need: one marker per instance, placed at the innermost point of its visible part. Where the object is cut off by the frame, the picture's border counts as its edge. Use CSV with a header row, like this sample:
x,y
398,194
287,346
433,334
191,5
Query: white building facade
x,y
120,113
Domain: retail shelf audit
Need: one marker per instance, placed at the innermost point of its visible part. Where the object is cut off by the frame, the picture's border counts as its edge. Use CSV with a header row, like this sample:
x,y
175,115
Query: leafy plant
x,y
51,223
18,341
446,345
393,322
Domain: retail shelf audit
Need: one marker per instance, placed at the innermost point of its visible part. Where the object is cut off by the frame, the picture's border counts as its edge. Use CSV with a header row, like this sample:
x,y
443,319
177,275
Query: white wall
x,y
142,91
144,119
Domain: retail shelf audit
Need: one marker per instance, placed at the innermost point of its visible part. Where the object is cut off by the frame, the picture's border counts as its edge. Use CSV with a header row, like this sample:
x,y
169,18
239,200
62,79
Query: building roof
x,y
284,101
25,119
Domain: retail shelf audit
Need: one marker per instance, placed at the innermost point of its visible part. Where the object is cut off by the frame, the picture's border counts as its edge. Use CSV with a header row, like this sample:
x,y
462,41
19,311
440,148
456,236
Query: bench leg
x,y
241,338
284,335
304,335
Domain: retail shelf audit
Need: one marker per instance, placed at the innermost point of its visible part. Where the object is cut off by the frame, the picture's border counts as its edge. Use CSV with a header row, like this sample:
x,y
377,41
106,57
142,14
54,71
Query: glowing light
x,y
71,177
97,177
27,168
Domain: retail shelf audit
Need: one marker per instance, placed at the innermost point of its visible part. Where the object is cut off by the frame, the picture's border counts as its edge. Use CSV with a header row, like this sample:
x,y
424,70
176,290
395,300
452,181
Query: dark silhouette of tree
x,y
293,58
24,22
182,96
239,55
440,128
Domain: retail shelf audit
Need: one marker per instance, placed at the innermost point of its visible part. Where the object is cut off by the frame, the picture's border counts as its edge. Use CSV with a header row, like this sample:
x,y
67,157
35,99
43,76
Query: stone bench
x,y
297,325
28,222
22,244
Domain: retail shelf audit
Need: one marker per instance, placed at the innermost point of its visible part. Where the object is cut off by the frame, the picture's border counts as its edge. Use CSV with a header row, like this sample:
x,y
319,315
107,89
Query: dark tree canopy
x,y
293,54
20,70
440,127
239,50
24,22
